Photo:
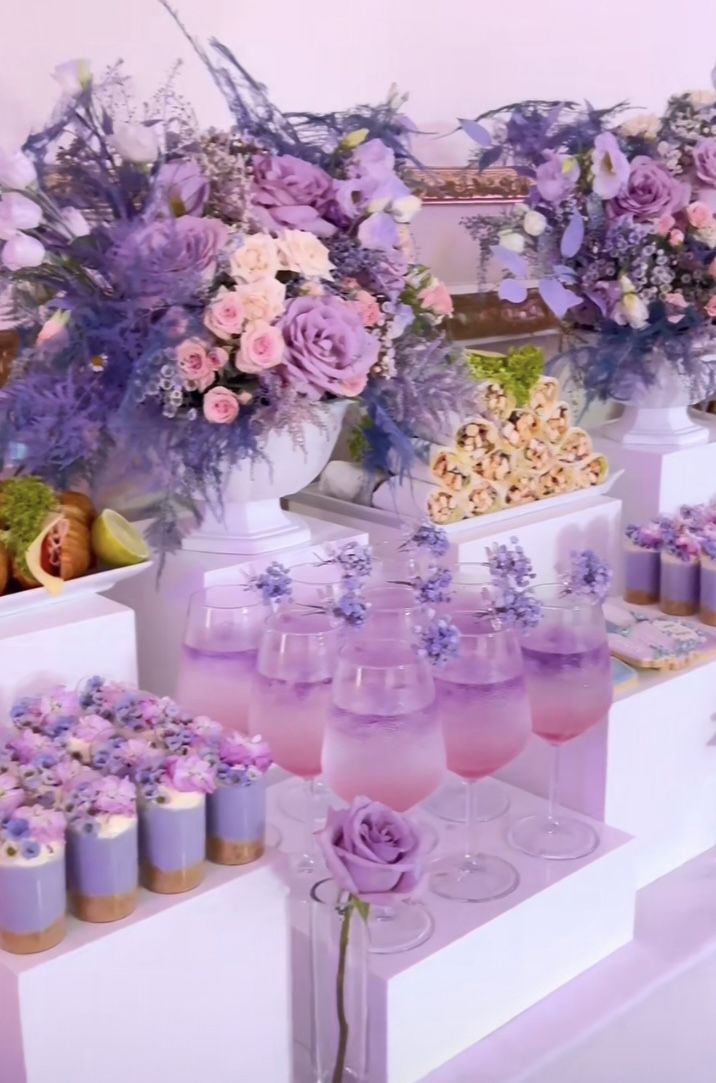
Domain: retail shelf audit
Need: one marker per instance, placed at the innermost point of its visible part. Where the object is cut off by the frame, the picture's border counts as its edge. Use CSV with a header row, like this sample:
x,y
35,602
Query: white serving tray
x,y
311,497
93,583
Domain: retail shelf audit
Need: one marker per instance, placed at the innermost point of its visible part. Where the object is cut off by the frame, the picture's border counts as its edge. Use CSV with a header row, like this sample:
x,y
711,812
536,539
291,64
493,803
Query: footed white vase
x,y
253,520
660,415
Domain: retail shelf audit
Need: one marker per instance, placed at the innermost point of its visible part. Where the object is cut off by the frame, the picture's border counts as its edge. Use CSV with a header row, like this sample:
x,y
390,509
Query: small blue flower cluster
x,y
430,537
588,576
434,588
512,573
273,583
439,641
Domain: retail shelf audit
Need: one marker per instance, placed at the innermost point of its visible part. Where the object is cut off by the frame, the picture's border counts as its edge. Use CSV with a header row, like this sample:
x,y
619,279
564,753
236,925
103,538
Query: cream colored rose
x,y
645,124
263,300
304,254
257,258
701,98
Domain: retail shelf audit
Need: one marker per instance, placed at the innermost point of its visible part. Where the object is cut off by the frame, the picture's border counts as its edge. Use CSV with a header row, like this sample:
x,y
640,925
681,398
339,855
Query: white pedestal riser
x,y
190,987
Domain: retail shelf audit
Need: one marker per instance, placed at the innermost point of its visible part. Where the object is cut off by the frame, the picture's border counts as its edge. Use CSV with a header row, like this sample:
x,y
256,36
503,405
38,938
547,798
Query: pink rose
x,y
226,316
437,298
218,357
262,347
665,224
367,308
711,308
221,406
676,237
194,364
698,214
354,386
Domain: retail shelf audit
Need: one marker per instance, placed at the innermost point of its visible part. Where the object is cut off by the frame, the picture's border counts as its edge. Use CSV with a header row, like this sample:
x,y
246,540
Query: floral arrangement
x,y
182,293
30,830
619,224
241,760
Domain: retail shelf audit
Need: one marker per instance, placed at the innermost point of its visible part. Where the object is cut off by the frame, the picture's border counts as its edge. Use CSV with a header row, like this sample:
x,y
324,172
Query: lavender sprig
x,y
351,608
509,566
438,641
427,536
273,583
354,560
434,588
588,576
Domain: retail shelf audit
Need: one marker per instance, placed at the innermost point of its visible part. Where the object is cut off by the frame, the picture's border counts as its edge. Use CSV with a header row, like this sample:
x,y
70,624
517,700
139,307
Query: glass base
x,y
398,928
450,801
555,840
292,801
475,879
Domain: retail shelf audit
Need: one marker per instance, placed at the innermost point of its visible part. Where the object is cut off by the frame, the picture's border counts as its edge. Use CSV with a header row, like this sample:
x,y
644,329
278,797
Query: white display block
x,y
649,769
548,535
190,987
486,962
659,480
65,643
160,602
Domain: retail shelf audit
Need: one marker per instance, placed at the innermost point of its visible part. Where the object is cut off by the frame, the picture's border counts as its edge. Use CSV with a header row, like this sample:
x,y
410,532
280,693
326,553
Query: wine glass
x,y
393,610
394,560
482,703
383,741
292,697
569,679
491,799
218,655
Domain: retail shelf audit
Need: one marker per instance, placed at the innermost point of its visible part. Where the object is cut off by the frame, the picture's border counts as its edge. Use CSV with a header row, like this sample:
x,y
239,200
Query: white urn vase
x,y
660,415
253,521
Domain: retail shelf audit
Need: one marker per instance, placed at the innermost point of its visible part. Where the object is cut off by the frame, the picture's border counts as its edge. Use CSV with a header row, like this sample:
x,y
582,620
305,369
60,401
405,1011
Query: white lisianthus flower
x,y
136,143
404,209
534,223
18,212
22,251
74,222
16,170
74,76
645,124
514,242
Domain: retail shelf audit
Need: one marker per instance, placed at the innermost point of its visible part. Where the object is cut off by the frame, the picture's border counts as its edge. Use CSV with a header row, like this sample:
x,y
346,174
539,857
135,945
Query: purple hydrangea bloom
x,y
328,348
289,193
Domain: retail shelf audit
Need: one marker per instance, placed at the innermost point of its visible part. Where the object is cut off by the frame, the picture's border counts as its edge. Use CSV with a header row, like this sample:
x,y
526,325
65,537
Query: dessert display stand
x,y
486,962
160,601
214,962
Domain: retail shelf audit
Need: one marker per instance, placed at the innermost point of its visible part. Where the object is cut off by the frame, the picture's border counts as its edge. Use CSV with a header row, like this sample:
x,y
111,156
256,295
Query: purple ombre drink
x,y
103,869
236,823
569,681
172,842
32,901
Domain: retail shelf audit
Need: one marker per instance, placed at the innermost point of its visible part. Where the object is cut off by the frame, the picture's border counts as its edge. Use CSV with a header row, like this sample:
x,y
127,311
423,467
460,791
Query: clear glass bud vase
x,y
339,961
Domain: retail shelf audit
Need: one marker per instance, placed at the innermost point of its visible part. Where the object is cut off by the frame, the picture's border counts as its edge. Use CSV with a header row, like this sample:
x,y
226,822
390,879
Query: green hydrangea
x,y
25,504
517,371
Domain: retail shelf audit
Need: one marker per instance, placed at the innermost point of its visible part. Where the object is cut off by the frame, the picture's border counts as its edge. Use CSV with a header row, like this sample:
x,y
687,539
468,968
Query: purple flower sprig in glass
x,y
354,560
273,583
512,573
588,575
351,608
435,587
427,536
438,641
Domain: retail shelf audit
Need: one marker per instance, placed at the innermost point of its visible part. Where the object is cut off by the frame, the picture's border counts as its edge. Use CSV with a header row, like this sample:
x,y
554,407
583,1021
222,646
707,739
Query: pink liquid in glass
x,y
217,684
291,716
485,724
570,685
398,760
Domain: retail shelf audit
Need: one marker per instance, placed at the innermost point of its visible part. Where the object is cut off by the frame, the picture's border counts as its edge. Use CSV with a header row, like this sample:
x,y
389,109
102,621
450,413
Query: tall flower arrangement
x,y
619,224
182,293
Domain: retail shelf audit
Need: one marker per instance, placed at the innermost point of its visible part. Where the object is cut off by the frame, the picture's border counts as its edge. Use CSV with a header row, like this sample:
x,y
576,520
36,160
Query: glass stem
x,y
472,822
309,842
553,785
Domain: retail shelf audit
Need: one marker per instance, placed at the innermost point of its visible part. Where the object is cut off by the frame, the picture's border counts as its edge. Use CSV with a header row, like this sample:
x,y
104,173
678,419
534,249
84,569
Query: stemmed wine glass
x,y
218,655
569,678
383,741
292,697
482,704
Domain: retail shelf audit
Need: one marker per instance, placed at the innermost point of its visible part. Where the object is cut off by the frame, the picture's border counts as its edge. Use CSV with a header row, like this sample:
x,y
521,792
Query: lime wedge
x,y
116,542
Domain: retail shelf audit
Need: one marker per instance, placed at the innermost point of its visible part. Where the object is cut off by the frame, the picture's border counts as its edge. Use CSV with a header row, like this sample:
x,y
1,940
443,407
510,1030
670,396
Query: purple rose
x,y
179,188
557,176
328,348
705,161
372,851
650,192
289,193
165,260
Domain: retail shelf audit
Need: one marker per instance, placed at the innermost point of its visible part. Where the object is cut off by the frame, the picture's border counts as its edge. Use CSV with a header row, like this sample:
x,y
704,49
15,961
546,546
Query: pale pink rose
x,y
194,363
226,315
262,300
218,357
665,224
711,308
698,214
221,406
257,258
676,237
367,308
437,298
355,385
262,347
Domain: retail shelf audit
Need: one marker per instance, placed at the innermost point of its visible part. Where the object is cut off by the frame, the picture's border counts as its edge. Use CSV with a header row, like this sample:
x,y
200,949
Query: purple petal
x,y
511,261
476,132
564,273
572,237
513,291
558,299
